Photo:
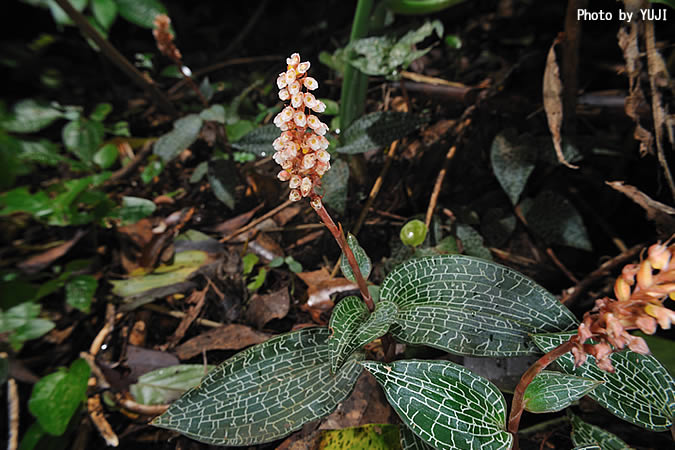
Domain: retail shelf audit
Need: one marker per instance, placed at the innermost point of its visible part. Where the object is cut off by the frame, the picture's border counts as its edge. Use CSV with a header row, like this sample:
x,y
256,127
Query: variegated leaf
x,y
410,441
554,391
444,404
640,391
263,393
353,326
469,306
362,259
587,436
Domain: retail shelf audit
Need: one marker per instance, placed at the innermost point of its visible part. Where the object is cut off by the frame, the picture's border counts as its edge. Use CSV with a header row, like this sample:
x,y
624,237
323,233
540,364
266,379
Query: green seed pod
x,y
413,233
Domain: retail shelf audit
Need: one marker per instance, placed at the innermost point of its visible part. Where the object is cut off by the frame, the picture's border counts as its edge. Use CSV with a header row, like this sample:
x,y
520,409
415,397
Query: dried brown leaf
x,y
655,210
38,262
263,308
229,337
552,93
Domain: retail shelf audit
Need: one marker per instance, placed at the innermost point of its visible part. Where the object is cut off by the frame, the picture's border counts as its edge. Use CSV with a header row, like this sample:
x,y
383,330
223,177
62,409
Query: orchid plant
x,y
459,304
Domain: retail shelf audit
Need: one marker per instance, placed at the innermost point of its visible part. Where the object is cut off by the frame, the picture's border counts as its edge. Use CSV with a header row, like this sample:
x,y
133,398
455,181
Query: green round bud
x,y
413,233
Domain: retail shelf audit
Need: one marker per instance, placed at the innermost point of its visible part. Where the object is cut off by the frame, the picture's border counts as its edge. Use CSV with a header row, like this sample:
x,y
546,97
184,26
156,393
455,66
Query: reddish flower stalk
x,y
166,45
640,291
301,151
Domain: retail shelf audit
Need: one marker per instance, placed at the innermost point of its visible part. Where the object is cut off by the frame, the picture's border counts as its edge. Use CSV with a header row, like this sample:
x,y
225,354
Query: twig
x,y
464,123
146,410
371,197
570,64
256,221
551,254
223,64
95,410
657,108
246,30
13,414
181,315
602,271
132,165
117,58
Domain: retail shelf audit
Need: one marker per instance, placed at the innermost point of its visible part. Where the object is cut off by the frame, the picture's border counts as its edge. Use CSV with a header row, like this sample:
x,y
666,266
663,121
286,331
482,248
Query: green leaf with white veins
x,y
30,116
258,141
140,12
165,385
362,259
444,404
554,391
82,138
377,130
513,159
264,393
470,306
410,441
640,391
353,326
585,434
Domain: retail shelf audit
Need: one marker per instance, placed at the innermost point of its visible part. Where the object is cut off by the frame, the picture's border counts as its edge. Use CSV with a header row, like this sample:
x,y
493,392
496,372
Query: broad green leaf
x,y
415,7
42,152
199,172
32,329
640,391
472,242
263,393
60,16
105,12
140,12
30,116
18,316
248,261
106,156
184,134
376,130
554,391
335,184
80,292
353,326
32,436
259,141
362,259
471,307
365,437
410,441
661,348
57,396
184,265
215,113
444,404
21,200
152,170
555,220
82,137
101,111
165,385
586,435
387,55
513,160
222,175
258,281
134,209
238,130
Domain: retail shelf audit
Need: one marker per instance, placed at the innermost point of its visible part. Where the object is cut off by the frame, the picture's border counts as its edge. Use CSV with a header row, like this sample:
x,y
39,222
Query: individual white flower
x,y
310,83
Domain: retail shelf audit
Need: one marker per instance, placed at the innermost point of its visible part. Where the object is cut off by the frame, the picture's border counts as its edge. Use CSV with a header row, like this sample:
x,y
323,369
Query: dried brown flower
x,y
164,38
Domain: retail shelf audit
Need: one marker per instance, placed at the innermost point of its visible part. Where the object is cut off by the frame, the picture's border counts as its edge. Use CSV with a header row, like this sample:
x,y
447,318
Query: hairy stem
x,y
339,236
517,402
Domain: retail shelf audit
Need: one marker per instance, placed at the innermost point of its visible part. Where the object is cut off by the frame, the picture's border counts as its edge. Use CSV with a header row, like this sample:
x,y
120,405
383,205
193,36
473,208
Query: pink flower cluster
x,y
301,148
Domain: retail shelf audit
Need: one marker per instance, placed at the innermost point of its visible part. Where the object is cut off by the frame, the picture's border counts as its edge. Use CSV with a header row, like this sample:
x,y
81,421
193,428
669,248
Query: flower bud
x,y
294,60
644,276
316,203
294,195
294,87
310,100
295,182
659,256
284,175
290,76
621,290
303,67
306,186
284,95
287,114
308,161
310,83
300,119
296,100
281,80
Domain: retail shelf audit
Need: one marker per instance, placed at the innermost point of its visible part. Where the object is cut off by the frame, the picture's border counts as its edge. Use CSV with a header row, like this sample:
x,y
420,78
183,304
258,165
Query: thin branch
x,y
256,221
13,414
117,58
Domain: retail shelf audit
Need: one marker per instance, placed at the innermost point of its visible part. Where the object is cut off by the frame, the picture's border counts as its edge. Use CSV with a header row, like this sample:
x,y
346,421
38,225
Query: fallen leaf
x,y
263,308
656,211
320,286
552,93
228,337
38,262
141,360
